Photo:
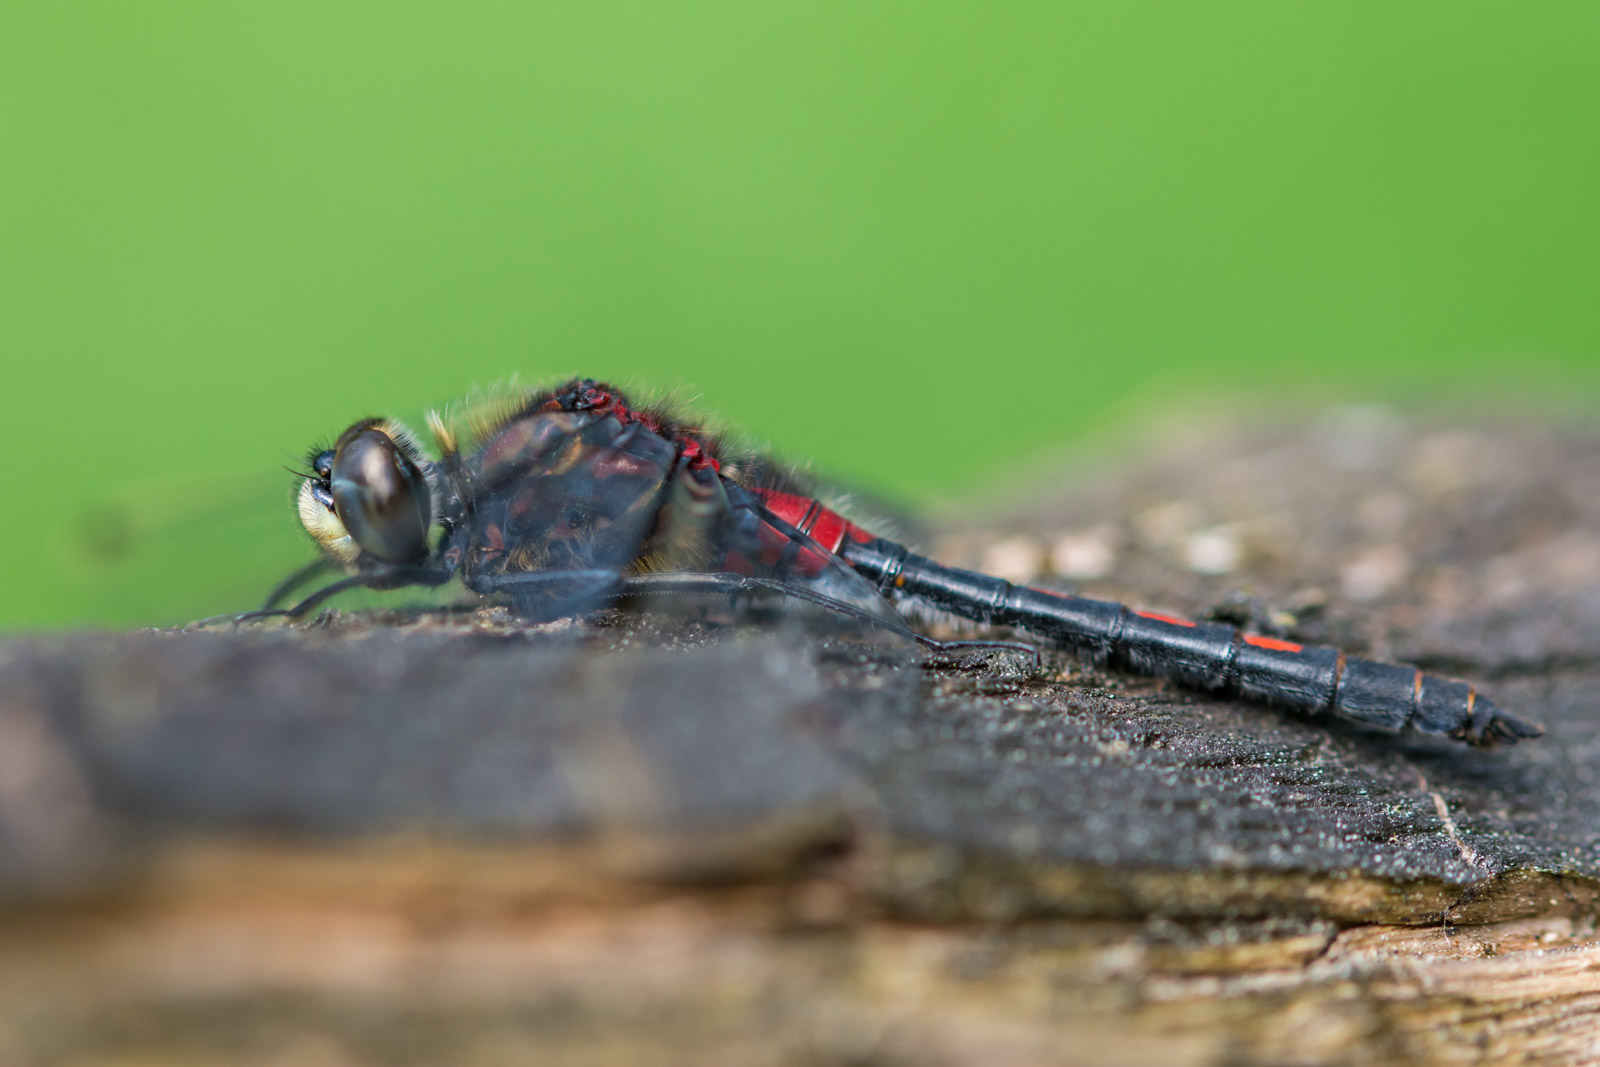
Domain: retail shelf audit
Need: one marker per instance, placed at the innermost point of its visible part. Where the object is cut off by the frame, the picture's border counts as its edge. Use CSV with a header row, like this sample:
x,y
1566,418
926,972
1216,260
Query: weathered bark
x,y
446,838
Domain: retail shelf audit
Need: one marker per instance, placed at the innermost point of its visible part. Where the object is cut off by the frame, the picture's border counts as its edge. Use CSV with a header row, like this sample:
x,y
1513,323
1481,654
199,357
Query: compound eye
x,y
381,497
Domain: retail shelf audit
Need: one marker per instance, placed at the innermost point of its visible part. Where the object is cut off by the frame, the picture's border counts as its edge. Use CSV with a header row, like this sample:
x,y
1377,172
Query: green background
x,y
916,243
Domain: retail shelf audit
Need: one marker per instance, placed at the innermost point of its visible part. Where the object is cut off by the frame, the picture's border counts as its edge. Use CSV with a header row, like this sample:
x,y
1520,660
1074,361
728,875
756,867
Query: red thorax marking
x,y
1164,618
1272,644
696,454
591,397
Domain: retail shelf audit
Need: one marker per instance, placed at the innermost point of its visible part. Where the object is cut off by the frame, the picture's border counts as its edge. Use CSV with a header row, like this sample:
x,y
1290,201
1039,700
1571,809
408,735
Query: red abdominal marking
x,y
827,528
1272,644
772,542
1164,618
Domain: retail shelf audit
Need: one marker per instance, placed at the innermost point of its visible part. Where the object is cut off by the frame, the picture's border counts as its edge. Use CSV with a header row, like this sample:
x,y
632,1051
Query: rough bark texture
x,y
429,838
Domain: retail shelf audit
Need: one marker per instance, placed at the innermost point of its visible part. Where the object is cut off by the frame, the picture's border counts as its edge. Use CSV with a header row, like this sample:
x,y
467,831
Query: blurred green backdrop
x,y
910,241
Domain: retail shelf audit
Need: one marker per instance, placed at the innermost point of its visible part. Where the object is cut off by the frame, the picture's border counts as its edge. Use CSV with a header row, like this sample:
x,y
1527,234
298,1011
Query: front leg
x,y
544,596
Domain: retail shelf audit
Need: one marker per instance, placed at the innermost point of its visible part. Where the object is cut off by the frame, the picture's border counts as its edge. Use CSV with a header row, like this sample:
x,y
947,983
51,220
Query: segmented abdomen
x,y
1218,657
1211,656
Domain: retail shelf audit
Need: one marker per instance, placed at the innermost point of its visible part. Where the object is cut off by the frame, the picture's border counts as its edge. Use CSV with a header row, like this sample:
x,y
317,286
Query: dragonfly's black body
x,y
567,499
1211,656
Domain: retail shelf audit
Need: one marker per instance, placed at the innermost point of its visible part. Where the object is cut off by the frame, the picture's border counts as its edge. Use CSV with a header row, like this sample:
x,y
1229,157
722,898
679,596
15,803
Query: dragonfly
x,y
562,500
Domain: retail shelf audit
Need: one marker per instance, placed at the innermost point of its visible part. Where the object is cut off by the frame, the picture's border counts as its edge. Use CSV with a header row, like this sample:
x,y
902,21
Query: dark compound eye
x,y
322,464
381,496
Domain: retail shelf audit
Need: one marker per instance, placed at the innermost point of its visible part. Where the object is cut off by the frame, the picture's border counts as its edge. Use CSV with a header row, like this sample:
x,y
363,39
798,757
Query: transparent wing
x,y
716,536
164,551
569,510
559,509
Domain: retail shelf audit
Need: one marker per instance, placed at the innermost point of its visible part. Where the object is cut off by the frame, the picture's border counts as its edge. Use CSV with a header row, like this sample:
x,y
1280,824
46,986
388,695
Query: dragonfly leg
x,y
1032,651
733,584
669,583
559,593
384,578
300,576
544,596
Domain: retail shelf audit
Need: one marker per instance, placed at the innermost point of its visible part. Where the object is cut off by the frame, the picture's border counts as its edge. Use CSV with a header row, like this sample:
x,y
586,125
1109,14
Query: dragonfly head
x,y
369,493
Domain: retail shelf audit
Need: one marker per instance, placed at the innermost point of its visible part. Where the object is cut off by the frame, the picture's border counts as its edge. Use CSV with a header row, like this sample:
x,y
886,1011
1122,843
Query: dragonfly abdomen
x,y
1210,656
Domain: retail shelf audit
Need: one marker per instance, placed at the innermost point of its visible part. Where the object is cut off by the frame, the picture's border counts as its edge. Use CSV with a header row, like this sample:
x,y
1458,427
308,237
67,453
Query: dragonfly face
x,y
370,493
